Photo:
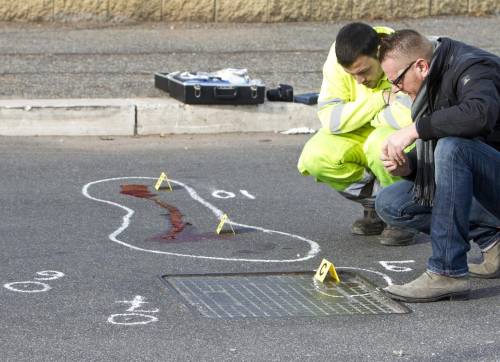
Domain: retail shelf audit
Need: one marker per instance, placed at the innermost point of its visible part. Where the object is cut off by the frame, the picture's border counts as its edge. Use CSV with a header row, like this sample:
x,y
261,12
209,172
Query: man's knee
x,y
311,161
373,150
383,204
330,153
391,199
373,144
446,147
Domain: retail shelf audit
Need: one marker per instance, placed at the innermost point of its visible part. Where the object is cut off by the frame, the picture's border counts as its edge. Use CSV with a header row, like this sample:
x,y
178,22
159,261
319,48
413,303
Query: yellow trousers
x,y
344,160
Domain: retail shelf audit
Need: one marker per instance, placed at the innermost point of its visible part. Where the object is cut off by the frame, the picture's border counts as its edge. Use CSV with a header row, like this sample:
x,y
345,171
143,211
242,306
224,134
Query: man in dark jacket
x,y
452,186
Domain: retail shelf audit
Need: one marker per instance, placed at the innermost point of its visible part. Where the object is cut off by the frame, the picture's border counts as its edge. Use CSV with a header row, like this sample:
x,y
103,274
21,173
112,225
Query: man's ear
x,y
423,67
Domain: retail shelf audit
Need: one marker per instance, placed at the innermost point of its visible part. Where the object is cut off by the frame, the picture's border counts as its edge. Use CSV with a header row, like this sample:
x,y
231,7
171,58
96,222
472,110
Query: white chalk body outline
x,y
313,250
396,268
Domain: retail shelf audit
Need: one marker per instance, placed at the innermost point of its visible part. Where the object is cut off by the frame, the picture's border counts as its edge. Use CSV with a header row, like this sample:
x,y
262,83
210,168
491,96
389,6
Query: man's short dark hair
x,y
407,43
354,40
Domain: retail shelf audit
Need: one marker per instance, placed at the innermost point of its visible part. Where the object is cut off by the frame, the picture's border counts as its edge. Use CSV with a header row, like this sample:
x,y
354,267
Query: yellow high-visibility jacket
x,y
344,105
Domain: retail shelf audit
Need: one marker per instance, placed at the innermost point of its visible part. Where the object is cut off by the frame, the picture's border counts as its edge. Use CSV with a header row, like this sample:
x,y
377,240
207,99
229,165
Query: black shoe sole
x,y
358,231
449,296
403,242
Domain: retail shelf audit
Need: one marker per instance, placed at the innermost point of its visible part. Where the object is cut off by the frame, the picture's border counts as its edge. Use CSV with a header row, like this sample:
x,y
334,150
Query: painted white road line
x,y
314,248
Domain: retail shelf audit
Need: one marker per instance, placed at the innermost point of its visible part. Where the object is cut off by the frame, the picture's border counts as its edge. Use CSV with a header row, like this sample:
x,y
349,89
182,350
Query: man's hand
x,y
394,168
393,149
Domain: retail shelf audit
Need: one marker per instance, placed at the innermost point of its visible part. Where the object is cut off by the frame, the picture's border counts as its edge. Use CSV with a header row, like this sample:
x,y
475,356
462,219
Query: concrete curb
x,y
145,116
67,117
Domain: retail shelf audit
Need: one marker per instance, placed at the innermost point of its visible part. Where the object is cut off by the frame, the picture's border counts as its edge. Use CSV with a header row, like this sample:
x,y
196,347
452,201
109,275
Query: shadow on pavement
x,y
485,292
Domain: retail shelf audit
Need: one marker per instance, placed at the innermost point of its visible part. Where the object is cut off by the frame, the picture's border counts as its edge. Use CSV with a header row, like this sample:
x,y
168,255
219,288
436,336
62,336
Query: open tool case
x,y
211,88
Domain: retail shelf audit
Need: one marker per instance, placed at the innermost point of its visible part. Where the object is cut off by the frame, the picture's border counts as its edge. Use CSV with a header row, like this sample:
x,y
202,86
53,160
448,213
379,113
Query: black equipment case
x,y
211,92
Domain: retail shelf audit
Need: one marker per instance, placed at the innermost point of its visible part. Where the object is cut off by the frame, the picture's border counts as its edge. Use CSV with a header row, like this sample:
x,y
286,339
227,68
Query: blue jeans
x,y
466,203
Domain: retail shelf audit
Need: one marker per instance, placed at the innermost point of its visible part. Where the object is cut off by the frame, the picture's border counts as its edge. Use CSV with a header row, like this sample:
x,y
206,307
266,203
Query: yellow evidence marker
x,y
163,177
223,220
324,269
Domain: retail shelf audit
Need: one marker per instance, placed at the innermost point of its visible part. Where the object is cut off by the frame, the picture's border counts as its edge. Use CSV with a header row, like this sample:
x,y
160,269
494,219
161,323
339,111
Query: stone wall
x,y
237,10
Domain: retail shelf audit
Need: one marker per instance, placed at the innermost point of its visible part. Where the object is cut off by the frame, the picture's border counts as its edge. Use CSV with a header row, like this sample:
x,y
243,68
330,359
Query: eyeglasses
x,y
397,82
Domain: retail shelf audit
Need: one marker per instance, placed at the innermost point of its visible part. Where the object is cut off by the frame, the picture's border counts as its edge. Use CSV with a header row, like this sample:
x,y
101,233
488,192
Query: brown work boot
x,y
370,224
490,267
430,287
396,236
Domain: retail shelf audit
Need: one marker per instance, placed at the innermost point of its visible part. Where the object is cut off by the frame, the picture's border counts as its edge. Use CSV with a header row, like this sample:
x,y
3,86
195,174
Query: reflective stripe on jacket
x,y
344,105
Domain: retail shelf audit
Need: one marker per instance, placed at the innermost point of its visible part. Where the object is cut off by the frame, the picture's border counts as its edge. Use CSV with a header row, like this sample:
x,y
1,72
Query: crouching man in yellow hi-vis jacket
x,y
357,112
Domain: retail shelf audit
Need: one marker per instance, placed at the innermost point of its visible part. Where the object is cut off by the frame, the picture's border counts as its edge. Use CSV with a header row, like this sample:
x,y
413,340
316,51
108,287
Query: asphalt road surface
x,y
84,245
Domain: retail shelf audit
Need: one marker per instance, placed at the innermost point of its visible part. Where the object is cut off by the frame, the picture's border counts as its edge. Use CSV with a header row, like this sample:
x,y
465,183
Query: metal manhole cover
x,y
276,295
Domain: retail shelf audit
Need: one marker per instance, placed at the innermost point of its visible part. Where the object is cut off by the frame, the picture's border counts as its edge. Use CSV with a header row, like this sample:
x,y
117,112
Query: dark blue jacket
x,y
464,94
